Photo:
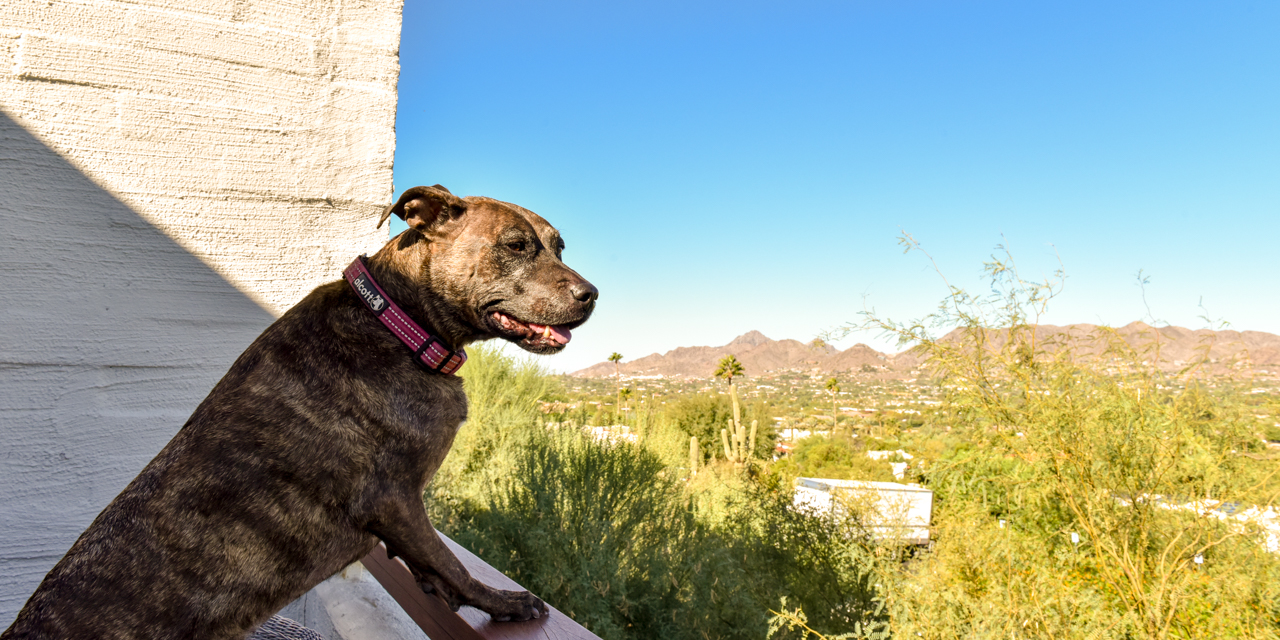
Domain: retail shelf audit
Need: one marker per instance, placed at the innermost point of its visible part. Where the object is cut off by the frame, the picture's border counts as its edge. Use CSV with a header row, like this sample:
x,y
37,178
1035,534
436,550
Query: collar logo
x,y
370,295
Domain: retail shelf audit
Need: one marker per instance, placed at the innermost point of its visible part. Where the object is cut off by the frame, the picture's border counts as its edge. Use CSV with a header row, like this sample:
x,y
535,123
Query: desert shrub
x,y
822,563
836,457
611,535
504,394
1087,438
1272,433
598,530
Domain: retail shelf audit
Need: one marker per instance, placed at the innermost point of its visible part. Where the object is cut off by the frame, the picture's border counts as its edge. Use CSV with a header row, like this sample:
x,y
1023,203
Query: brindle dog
x,y
319,442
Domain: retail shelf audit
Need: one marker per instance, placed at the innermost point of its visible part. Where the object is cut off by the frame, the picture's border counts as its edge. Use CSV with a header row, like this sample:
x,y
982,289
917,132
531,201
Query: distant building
x,y
613,434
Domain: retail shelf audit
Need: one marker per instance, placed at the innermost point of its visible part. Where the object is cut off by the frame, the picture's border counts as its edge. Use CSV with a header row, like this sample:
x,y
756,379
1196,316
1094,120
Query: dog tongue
x,y
559,334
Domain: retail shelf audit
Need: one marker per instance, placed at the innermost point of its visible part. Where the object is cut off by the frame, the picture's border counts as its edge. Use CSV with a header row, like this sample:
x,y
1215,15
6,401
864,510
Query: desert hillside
x,y
1171,347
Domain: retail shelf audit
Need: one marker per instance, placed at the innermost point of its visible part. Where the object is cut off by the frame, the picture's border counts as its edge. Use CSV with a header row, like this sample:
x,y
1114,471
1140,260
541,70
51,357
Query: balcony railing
x,y
435,618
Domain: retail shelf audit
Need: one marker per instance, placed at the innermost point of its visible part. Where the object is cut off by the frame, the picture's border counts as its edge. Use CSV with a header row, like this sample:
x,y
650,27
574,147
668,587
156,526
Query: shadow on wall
x,y
110,335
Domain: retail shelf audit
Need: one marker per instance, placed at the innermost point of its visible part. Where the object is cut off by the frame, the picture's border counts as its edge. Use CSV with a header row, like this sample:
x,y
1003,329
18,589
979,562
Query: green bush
x,y
502,413
615,538
704,415
1273,433
835,457
601,532
1084,438
825,564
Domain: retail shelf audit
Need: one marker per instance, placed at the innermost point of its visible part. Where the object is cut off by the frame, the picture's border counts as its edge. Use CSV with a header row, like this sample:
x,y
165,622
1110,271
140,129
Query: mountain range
x,y
760,354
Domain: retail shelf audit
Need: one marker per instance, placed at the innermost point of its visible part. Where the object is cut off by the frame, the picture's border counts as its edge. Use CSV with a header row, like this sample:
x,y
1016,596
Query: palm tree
x,y
729,368
833,387
625,396
615,358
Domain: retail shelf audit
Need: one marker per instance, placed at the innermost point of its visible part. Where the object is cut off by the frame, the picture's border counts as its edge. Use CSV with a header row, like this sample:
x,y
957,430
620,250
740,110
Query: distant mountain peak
x,y
747,340
759,354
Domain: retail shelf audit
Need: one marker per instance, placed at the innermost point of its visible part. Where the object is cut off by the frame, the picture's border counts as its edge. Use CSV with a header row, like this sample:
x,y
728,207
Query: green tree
x,y
728,369
833,388
624,396
703,415
615,358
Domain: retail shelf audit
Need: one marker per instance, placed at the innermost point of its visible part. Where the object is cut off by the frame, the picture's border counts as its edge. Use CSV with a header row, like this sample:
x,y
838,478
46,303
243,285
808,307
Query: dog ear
x,y
422,207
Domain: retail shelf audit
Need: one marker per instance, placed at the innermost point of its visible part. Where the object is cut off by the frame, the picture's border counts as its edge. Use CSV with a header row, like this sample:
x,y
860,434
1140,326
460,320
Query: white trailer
x,y
892,512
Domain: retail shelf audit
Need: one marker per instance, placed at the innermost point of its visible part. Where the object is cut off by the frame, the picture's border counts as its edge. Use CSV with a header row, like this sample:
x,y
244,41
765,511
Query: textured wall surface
x,y
237,127
173,176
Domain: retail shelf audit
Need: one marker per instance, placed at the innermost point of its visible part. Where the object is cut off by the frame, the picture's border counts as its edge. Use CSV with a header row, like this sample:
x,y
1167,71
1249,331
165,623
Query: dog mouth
x,y
540,338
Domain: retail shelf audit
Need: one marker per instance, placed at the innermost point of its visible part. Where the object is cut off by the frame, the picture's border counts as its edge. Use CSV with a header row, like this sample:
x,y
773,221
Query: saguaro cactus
x,y
742,443
739,444
729,368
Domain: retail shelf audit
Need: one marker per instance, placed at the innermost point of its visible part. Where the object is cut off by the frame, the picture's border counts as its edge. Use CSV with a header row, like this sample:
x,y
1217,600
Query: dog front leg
x,y
408,533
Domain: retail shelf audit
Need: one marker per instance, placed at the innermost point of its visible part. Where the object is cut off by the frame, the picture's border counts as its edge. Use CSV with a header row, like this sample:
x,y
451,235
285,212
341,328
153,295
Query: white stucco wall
x,y
173,175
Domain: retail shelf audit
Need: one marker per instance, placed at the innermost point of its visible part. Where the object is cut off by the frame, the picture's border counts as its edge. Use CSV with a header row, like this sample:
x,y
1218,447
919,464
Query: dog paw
x,y
505,606
433,583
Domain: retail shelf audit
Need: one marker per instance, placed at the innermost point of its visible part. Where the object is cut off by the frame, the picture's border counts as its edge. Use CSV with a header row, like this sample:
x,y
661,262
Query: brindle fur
x,y
316,444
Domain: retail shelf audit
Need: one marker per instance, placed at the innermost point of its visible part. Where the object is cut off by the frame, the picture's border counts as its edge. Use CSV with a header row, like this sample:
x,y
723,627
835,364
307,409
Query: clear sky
x,y
722,167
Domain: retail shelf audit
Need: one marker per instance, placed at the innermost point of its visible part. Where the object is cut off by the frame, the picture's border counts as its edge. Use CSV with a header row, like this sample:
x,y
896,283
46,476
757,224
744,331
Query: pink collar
x,y
428,350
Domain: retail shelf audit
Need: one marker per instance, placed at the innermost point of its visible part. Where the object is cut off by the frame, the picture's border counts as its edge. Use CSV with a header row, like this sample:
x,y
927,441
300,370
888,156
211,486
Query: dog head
x,y
489,269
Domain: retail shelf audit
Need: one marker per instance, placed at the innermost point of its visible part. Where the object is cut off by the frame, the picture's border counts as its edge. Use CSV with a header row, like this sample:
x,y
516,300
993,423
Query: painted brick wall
x,y
231,125
174,175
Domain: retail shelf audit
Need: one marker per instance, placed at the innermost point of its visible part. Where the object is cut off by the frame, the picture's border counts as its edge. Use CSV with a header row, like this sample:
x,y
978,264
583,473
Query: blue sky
x,y
722,167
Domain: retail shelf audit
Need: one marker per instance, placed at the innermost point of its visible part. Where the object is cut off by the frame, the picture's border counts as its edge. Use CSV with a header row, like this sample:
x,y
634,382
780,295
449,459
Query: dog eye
x,y
516,246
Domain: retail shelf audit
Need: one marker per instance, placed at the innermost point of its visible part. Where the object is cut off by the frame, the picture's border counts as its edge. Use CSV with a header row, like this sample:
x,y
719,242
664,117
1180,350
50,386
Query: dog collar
x,y
428,350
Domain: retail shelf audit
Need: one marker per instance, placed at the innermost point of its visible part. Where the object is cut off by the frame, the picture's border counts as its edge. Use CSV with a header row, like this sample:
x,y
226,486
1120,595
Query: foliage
x,y
836,457
833,388
703,416
795,621
616,358
503,399
611,536
728,368
1075,486
596,529
1272,433
1087,441
823,562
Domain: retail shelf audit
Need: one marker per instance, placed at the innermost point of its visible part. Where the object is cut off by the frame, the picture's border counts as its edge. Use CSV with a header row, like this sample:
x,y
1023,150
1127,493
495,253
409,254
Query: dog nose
x,y
584,292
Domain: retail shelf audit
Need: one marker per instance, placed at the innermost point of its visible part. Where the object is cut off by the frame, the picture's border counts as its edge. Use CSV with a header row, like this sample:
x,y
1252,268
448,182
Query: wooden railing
x,y
435,618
